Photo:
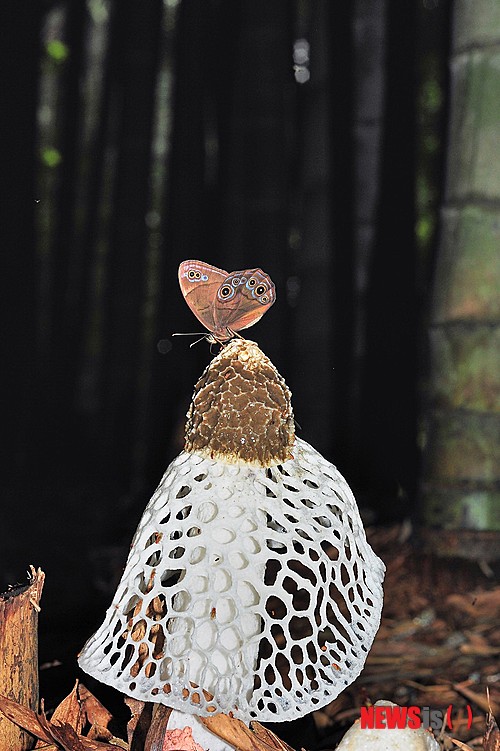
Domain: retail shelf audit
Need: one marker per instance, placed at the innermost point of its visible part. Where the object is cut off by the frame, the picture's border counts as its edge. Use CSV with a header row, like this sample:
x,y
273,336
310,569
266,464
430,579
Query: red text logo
x,y
391,717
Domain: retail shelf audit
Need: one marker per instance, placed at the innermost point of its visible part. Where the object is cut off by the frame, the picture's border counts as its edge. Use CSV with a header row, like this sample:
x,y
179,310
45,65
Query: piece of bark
x,y
155,739
19,608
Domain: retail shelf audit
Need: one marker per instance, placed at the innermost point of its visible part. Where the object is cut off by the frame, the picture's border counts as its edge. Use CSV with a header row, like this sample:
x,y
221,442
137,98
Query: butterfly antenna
x,y
190,333
198,340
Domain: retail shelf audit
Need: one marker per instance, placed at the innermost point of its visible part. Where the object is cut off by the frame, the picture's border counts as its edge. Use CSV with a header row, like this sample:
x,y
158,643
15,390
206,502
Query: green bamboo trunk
x,y
461,472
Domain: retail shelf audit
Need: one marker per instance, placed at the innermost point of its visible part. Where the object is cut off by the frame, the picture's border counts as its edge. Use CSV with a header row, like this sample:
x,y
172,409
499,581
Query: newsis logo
x,y
392,717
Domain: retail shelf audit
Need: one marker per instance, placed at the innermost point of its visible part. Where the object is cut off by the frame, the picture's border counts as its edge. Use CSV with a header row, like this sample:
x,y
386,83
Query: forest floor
x,y
438,647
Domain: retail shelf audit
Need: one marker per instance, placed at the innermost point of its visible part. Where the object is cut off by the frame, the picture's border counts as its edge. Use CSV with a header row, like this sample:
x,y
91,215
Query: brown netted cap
x,y
241,409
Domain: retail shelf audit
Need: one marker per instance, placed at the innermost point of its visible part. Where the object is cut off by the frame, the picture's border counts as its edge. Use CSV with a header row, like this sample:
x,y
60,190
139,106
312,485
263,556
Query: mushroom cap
x,y
241,409
248,589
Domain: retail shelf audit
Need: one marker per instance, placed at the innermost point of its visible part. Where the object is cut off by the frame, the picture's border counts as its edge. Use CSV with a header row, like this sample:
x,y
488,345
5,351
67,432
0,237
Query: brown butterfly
x,y
225,303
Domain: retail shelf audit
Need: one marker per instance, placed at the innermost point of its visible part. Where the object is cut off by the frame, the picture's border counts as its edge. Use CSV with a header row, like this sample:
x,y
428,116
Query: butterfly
x,y
225,303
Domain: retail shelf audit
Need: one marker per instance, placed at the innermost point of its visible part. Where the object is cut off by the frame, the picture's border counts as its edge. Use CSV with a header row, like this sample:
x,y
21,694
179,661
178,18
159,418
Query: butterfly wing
x,y
242,299
199,283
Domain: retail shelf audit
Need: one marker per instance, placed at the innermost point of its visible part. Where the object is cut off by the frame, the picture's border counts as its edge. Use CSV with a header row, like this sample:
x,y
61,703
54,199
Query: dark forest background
x,y
302,136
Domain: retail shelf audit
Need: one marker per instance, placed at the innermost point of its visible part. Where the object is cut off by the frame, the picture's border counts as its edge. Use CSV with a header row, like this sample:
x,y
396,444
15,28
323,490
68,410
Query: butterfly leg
x,y
232,333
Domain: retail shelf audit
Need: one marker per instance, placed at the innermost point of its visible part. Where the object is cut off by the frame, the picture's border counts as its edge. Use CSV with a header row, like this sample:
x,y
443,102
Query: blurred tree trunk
x,y
388,459
185,235
462,453
64,344
313,332
135,44
254,159
19,65
368,116
342,212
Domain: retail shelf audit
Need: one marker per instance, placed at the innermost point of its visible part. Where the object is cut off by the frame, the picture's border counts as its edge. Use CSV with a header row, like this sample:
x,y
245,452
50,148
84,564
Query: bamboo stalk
x,y
19,608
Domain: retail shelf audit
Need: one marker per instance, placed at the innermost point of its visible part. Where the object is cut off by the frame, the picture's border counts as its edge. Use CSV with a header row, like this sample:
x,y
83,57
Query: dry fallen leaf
x,y
95,712
98,733
137,726
68,712
62,735
270,738
24,717
241,737
66,737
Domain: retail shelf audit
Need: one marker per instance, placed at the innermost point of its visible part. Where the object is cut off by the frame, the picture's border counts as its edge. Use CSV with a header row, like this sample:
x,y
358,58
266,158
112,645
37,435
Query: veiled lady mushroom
x,y
250,587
